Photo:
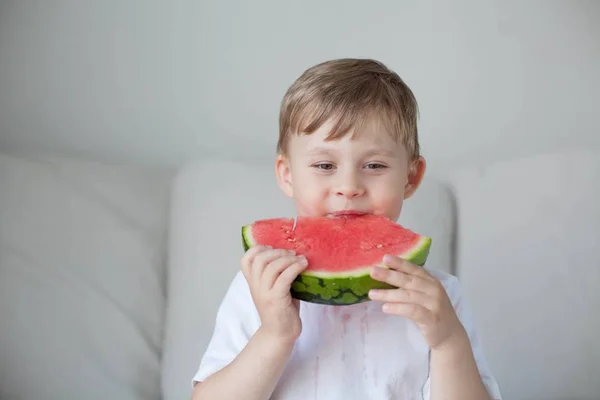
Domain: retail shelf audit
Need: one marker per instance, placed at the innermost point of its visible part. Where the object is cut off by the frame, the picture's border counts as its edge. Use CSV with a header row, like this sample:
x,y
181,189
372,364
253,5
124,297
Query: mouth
x,y
347,214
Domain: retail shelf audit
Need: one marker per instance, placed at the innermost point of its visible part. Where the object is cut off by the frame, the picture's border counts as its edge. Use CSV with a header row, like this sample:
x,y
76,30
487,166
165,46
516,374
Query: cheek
x,y
388,189
309,190
389,202
310,203
387,194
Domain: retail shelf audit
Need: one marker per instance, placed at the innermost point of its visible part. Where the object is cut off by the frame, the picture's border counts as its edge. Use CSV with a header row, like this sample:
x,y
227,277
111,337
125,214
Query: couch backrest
x,y
211,201
82,292
529,232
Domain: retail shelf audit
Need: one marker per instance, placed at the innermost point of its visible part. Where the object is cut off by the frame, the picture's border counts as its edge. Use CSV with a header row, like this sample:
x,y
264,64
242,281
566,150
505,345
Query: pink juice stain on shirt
x,y
345,322
316,377
364,331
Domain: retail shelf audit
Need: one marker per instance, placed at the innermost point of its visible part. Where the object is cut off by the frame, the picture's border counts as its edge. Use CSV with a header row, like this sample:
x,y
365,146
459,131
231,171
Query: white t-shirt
x,y
343,352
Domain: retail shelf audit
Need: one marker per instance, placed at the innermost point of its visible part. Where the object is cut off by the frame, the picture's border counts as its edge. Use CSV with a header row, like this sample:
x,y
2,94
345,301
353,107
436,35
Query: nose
x,y
348,186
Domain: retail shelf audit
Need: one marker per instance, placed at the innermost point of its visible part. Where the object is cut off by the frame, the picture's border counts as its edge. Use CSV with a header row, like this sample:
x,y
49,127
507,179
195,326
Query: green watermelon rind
x,y
342,288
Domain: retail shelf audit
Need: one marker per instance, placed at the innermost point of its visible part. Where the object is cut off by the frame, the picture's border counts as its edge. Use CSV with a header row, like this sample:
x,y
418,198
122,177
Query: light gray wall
x,y
164,81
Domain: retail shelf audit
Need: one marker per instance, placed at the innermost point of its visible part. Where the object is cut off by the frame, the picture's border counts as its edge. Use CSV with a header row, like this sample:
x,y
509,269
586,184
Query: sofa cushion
x,y
529,263
210,202
82,294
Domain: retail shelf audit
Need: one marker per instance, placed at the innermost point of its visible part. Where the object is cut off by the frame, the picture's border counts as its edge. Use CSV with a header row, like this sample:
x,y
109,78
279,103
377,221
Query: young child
x,y
347,145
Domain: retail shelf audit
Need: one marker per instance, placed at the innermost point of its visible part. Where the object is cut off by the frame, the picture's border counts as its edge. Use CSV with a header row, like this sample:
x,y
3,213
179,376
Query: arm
x,y
252,375
454,372
458,370
251,345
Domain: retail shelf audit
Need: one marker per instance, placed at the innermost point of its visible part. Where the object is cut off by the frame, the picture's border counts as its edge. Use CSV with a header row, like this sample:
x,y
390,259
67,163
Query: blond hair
x,y
350,92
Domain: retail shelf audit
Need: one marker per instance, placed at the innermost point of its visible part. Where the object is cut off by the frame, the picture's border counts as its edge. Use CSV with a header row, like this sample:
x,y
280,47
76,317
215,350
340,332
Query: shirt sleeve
x,y
464,313
237,320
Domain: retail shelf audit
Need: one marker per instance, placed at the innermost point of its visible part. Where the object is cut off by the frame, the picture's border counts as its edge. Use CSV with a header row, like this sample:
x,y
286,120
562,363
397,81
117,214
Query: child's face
x,y
369,173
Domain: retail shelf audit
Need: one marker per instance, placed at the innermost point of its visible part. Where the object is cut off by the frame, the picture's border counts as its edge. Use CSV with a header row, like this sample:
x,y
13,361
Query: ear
x,y
283,173
415,176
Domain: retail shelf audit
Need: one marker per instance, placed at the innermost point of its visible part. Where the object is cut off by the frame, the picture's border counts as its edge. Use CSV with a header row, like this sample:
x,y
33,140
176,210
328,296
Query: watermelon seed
x,y
379,246
287,232
291,240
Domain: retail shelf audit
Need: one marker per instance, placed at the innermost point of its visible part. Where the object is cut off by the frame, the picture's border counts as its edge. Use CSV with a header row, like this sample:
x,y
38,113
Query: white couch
x,y
86,311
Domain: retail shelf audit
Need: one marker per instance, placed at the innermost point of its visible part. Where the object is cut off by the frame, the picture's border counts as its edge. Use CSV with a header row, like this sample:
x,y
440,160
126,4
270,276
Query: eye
x,y
375,166
324,166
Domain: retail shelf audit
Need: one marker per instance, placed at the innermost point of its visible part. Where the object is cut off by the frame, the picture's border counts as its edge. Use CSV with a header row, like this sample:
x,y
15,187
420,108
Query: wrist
x,y
276,340
454,348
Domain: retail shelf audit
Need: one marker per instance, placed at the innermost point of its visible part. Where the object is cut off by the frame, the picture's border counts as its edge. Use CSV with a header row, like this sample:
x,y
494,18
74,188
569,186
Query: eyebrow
x,y
320,150
380,152
371,152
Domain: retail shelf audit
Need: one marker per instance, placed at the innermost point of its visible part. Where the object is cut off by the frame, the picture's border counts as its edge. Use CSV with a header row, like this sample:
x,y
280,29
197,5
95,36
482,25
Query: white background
x,y
167,81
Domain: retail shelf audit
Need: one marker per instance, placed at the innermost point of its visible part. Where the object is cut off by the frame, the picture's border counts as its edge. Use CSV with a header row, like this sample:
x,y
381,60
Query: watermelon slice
x,y
340,251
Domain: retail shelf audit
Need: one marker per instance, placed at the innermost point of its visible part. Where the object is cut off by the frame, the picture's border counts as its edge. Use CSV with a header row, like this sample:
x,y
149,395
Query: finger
x,y
262,259
296,303
413,312
248,258
400,264
403,280
402,296
274,268
284,281
252,252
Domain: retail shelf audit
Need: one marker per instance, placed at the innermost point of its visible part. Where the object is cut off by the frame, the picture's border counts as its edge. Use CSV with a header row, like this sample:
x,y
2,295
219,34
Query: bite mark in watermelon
x,y
341,253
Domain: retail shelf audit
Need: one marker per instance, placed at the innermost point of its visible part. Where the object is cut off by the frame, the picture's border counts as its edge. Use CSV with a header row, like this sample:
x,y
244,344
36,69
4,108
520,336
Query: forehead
x,y
370,135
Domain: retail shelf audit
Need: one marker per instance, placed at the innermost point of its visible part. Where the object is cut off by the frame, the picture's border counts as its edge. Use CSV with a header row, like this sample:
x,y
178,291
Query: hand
x,y
420,297
270,273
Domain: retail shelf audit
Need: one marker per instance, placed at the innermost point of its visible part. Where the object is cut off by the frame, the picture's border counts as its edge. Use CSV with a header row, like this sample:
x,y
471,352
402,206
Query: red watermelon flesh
x,y
341,252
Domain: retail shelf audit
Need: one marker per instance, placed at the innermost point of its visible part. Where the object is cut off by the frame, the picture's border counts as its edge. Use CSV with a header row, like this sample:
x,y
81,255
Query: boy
x,y
347,146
